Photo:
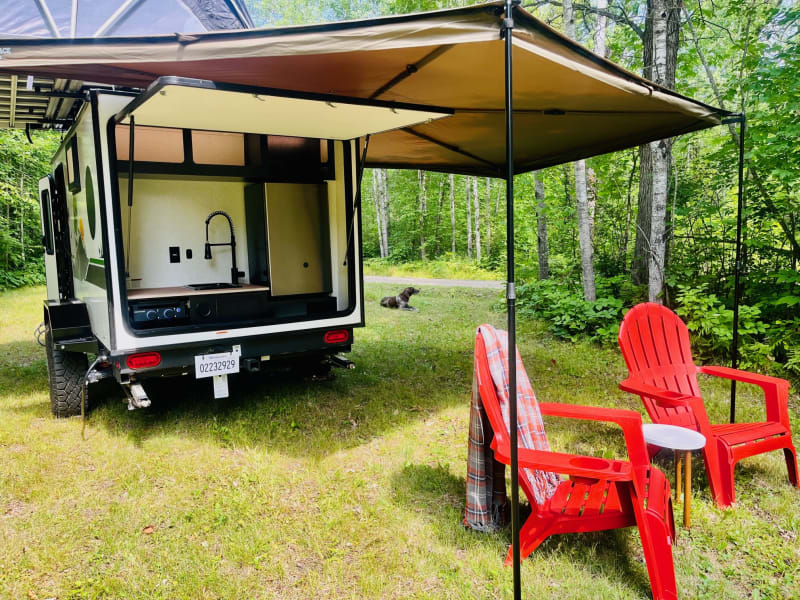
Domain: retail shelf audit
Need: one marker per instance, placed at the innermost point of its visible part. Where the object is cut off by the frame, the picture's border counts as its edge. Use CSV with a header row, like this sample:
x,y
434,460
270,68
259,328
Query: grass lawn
x,y
352,488
449,268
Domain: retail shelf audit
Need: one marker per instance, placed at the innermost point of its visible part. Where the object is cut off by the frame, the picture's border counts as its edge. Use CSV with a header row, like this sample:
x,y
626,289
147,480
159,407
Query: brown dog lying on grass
x,y
401,300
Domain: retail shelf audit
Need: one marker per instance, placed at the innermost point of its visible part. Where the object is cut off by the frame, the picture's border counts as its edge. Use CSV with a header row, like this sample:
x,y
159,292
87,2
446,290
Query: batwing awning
x,y
568,102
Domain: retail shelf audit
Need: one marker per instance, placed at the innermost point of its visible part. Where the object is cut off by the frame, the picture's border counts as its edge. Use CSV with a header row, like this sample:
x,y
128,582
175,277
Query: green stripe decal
x,y
97,261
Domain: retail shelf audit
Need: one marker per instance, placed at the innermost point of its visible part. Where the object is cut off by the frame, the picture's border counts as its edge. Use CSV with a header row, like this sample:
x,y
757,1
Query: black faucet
x,y
235,273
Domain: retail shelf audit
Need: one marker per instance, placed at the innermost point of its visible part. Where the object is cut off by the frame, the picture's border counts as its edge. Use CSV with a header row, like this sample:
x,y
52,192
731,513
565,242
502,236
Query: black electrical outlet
x,y
188,253
174,254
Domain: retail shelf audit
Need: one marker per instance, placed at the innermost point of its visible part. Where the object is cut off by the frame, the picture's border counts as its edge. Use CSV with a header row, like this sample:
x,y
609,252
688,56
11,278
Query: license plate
x,y
221,363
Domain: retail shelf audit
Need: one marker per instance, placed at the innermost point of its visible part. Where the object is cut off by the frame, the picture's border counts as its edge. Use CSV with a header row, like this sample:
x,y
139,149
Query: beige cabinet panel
x,y
298,238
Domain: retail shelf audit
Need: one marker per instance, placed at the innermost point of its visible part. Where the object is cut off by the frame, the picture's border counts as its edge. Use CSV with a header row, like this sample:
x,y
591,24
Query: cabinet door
x,y
297,234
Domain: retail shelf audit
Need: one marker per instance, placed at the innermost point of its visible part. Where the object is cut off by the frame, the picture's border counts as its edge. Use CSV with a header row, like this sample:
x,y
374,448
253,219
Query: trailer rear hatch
x,y
184,103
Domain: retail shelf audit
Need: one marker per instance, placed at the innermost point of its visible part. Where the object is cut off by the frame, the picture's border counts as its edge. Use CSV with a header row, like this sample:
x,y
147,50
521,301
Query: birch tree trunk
x,y
477,203
469,217
660,55
378,208
423,208
438,217
541,227
584,232
22,216
385,205
581,194
488,217
665,50
453,213
600,32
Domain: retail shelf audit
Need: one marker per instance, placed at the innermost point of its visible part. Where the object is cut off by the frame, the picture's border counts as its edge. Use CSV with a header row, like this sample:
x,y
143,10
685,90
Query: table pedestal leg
x,y
687,490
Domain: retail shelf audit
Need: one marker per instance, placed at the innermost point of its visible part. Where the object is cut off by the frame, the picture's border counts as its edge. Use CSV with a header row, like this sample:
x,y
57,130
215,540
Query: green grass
x,y
352,488
444,268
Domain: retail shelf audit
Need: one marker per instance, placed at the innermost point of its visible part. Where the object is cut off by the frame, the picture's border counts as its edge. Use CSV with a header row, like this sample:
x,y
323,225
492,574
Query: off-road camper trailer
x,y
199,228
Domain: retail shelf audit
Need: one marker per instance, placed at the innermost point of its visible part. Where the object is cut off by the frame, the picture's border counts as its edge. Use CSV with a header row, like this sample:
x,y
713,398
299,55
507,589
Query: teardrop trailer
x,y
231,241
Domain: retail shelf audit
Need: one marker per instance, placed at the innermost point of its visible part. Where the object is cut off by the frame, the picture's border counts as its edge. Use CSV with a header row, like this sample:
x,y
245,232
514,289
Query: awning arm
x,y
452,148
410,70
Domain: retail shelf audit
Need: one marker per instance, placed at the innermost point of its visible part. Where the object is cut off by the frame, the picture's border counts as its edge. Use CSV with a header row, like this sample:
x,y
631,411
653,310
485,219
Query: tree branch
x,y
616,17
735,135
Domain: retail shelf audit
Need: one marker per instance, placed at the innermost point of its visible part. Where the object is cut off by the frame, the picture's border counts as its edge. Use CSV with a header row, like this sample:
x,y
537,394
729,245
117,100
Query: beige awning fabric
x,y
568,102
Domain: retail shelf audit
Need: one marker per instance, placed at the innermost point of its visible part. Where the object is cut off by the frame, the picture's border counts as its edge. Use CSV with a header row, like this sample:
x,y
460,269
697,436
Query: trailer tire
x,y
66,371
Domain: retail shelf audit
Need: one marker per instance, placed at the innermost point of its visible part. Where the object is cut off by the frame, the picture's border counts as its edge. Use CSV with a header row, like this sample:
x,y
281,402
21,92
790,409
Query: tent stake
x,y
737,291
511,296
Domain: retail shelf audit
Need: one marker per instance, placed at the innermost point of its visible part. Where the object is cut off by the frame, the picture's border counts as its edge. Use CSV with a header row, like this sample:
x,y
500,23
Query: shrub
x,y
32,274
568,315
772,347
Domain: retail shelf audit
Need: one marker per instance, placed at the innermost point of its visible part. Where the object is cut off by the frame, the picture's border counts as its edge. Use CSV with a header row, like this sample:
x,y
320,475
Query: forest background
x,y
596,236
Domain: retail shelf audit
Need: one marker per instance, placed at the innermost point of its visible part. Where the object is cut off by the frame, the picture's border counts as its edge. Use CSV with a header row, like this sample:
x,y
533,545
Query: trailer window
x,y
218,148
91,210
73,168
151,144
47,222
296,149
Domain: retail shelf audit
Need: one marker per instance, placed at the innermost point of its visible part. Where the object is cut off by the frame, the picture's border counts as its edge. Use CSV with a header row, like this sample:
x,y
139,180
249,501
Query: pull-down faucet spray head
x,y
235,273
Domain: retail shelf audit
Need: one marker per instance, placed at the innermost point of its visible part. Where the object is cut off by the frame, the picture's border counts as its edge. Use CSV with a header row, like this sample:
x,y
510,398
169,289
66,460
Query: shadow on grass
x,y
439,494
297,415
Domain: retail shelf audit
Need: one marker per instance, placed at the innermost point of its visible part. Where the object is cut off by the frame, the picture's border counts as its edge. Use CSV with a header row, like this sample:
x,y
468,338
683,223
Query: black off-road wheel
x,y
66,371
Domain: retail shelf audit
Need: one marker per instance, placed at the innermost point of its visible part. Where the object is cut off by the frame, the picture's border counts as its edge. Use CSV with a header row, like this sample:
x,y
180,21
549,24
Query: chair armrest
x,y
574,465
629,420
664,398
776,390
743,376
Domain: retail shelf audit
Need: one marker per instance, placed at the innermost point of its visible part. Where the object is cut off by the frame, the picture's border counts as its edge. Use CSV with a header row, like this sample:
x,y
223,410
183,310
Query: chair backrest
x,y
655,344
491,370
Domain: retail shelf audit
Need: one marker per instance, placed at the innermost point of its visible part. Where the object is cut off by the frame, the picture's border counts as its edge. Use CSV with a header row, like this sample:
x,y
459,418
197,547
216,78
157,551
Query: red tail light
x,y
337,336
144,360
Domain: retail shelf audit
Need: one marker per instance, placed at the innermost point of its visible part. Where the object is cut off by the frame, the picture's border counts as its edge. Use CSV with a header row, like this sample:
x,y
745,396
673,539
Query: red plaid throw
x,y
485,482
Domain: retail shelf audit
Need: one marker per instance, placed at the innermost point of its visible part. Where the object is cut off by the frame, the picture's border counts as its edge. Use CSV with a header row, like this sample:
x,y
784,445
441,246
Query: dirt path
x,y
421,281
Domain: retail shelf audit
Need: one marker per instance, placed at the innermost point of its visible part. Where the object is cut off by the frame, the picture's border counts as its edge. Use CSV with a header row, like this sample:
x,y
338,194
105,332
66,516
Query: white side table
x,y
681,441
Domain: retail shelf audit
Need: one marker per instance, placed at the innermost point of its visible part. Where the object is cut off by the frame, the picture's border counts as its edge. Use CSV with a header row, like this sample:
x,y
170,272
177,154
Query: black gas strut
x,y
131,129
357,200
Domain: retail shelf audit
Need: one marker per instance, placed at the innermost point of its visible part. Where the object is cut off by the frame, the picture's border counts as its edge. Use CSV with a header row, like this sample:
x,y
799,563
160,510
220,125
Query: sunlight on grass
x,y
449,267
351,488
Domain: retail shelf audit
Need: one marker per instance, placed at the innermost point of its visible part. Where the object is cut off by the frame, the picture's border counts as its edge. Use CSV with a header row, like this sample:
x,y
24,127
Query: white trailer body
x,y
232,237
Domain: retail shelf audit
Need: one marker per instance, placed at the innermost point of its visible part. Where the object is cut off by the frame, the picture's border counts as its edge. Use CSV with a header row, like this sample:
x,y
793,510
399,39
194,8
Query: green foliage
x,y
568,315
21,166
764,345
32,274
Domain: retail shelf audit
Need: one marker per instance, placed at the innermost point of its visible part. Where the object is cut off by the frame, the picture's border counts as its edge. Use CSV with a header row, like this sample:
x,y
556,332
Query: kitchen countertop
x,y
182,290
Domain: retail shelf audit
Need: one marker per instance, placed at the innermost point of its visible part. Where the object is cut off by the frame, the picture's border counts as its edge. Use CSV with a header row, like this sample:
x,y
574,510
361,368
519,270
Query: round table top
x,y
673,437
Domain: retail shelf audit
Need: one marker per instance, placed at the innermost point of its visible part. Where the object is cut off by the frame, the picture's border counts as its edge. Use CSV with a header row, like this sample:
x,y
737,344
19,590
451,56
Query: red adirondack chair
x,y
600,493
655,344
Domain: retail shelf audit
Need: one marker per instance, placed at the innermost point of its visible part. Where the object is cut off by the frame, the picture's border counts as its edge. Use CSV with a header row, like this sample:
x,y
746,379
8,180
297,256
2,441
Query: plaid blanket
x,y
486,495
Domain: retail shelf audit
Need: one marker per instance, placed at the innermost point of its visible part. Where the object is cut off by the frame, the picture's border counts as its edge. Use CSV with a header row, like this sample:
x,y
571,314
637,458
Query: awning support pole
x,y
511,296
737,290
